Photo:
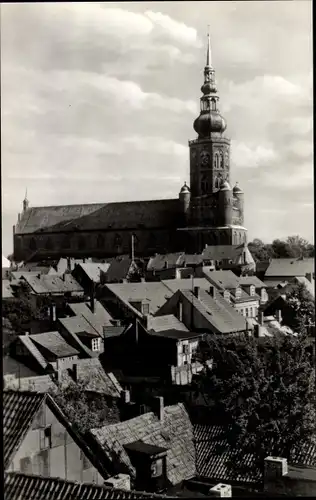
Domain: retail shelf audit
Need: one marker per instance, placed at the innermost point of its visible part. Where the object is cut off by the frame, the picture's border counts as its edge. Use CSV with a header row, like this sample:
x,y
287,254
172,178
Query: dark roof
x,y
33,350
290,267
19,409
212,462
220,252
175,334
78,324
93,269
120,215
98,318
118,270
174,433
219,313
55,343
147,449
29,487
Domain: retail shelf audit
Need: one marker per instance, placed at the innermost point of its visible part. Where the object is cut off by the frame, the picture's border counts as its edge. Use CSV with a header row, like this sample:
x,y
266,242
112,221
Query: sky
x,y
99,99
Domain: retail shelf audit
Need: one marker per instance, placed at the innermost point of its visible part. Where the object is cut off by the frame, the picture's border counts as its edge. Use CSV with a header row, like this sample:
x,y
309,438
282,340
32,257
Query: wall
x,y
183,358
62,459
251,305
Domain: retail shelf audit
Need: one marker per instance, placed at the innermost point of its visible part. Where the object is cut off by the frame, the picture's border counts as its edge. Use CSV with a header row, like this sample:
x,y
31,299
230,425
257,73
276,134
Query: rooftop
x,y
166,261
93,269
156,293
226,252
290,267
54,343
147,449
98,318
186,284
166,322
78,324
43,284
29,487
19,410
118,270
225,280
174,433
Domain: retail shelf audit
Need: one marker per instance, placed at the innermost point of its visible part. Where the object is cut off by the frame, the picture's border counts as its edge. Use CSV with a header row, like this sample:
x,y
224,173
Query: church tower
x,y
215,214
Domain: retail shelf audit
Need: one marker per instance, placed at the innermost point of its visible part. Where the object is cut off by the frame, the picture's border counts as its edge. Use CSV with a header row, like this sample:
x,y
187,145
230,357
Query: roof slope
x,y
222,279
120,215
155,292
169,260
54,343
186,284
290,267
46,283
174,433
166,322
19,410
98,318
93,269
29,487
118,270
213,454
220,314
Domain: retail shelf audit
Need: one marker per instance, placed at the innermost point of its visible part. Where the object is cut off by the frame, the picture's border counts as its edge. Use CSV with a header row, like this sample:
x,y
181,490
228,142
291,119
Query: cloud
x,y
178,31
251,156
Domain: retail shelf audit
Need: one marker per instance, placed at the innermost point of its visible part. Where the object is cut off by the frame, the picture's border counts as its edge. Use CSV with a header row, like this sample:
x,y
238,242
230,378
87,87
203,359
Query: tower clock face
x,y
205,158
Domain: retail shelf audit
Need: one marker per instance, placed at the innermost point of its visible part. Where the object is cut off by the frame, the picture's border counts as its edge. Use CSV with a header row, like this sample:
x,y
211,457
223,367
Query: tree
x,y
300,308
262,390
259,250
297,246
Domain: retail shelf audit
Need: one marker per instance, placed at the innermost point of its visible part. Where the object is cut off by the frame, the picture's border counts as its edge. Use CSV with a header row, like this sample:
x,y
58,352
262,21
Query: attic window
x,y
96,344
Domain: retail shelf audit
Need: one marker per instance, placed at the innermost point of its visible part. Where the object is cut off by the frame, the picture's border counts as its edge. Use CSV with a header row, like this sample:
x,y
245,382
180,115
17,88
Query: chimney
x,y
260,318
92,294
212,292
197,292
53,313
166,264
309,277
180,311
221,490
147,321
75,372
274,468
158,407
125,397
278,316
69,264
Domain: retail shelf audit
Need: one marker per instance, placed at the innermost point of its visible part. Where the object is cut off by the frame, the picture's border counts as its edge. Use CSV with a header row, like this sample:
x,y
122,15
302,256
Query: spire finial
x,y
208,53
25,194
25,201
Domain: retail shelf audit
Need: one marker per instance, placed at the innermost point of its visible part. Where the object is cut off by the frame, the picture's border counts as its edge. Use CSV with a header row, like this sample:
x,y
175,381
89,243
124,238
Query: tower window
x,y
216,160
213,105
221,160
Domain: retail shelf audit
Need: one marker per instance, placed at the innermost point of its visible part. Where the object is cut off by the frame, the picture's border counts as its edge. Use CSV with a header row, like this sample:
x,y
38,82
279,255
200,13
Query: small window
x,y
45,438
145,308
247,313
156,468
96,344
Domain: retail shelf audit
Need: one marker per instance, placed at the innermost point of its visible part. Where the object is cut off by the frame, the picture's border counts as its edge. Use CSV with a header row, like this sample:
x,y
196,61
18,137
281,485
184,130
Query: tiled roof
x,y
55,343
169,260
222,279
39,383
174,433
93,269
220,314
221,252
6,290
99,318
186,284
290,267
213,454
121,215
78,324
166,322
92,372
19,409
53,284
192,260
118,270
156,293
27,487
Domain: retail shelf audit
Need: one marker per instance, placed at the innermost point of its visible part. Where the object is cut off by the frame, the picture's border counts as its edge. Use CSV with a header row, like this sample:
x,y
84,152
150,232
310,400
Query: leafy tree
x,y
262,390
300,309
259,250
85,410
293,246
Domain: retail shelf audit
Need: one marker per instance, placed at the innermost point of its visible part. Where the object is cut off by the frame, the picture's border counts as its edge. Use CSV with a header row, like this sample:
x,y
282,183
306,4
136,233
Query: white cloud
x,y
179,31
302,148
251,156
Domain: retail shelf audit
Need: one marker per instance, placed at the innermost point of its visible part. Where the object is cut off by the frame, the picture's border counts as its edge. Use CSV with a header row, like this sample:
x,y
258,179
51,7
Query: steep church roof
x,y
120,215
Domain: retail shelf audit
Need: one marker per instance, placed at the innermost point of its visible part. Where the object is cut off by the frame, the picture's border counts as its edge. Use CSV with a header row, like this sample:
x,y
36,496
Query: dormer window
x,y
238,293
96,344
145,308
227,295
252,290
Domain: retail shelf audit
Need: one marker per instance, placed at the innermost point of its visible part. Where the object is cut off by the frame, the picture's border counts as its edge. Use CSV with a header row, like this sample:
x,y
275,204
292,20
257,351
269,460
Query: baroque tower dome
x,y
210,121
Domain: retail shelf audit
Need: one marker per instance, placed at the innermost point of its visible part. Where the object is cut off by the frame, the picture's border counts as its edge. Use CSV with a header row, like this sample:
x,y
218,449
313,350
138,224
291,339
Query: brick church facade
x,y
208,212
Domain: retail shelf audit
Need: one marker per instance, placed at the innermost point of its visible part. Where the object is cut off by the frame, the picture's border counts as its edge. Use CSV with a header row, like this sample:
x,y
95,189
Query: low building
x,y
172,266
281,270
235,257
38,439
204,311
156,449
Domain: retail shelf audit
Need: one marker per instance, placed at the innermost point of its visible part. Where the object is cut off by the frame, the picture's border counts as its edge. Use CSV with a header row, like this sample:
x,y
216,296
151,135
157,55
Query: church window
x,y
49,244
81,243
33,245
216,160
221,160
226,160
100,241
213,105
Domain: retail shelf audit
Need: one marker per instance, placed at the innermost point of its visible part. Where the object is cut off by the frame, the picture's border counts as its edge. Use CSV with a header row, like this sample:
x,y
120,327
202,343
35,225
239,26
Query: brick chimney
x,y
212,292
180,311
197,292
221,490
158,407
274,468
260,318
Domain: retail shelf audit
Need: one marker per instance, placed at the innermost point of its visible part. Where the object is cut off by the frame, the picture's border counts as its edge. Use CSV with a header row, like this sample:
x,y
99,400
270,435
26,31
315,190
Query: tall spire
x,y
25,201
208,52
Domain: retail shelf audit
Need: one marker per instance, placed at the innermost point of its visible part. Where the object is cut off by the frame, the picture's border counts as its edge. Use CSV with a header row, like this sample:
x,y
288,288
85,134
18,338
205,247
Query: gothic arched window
x,y
216,160
49,244
213,104
81,243
226,160
32,244
100,241
221,160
